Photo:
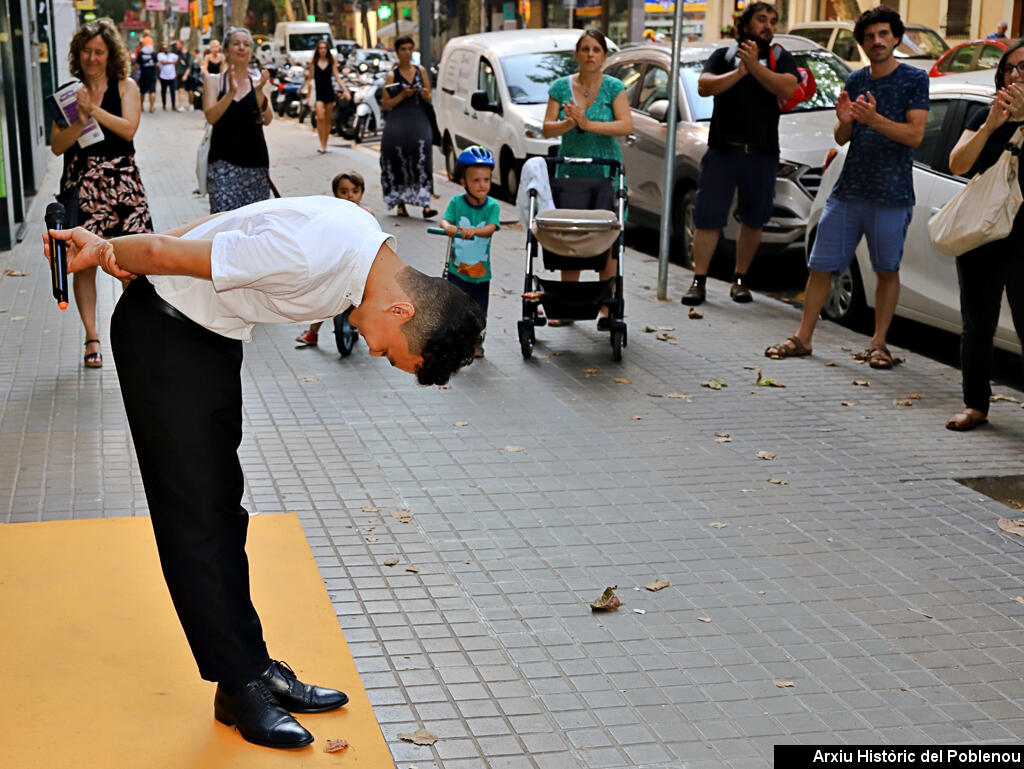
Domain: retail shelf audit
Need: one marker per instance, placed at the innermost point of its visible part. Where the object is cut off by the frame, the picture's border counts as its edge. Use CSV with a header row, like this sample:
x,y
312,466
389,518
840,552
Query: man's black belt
x,y
738,148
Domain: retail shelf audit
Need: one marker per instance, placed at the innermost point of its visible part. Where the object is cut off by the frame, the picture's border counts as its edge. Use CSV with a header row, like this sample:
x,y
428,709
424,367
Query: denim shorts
x,y
751,177
842,224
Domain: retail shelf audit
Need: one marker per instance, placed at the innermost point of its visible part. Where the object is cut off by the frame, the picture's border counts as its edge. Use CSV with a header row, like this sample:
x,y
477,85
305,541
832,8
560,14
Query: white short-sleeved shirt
x,y
278,261
167,62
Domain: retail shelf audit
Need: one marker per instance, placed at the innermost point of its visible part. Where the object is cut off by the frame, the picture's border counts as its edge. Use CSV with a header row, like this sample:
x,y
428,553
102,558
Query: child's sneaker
x,y
307,337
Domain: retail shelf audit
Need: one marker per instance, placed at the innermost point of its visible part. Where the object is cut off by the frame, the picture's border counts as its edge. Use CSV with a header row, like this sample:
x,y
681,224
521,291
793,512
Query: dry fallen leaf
x,y
650,329
17,317
656,585
717,525
444,387
413,569
694,314
722,437
655,395
714,383
623,380
704,619
830,539
421,737
763,381
898,402
1019,599
15,273
832,363
848,403
783,684
391,561
639,611
1011,526
923,614
371,539
608,600
637,417
862,383
369,509
914,397
335,746
778,481
511,447
664,336
769,455
589,371
752,368
677,394
310,379
996,397
461,423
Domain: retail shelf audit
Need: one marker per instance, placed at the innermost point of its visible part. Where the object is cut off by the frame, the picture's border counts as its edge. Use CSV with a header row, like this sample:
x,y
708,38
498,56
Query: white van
x,y
295,41
492,89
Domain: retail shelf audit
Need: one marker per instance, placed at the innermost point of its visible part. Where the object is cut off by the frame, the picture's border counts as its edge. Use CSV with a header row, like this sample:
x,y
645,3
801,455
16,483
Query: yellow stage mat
x,y
97,673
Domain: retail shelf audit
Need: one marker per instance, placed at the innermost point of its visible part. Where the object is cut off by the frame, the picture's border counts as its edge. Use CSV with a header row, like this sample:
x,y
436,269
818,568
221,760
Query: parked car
x,y
805,136
970,57
374,58
921,46
929,291
344,49
264,53
492,90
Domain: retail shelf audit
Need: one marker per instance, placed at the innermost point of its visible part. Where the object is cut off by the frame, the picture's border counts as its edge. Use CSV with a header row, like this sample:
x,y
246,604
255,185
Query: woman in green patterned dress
x,y
588,110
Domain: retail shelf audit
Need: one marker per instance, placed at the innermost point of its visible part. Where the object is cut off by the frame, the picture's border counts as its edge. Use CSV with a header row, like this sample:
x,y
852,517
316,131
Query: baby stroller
x,y
587,221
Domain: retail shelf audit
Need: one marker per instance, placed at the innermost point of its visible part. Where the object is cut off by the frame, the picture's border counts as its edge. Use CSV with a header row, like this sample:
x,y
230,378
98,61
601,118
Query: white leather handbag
x,y
984,210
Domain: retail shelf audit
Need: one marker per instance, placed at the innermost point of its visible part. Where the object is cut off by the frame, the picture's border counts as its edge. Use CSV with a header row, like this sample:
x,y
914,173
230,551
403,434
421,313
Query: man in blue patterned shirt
x,y
882,113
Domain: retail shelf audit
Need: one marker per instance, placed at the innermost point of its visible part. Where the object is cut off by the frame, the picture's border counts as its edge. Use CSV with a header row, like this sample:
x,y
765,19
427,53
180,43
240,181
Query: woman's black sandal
x,y
93,359
429,213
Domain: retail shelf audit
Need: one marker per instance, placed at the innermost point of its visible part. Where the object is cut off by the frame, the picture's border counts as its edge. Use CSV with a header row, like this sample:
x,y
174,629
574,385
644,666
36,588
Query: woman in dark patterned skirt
x,y
406,148
100,186
237,108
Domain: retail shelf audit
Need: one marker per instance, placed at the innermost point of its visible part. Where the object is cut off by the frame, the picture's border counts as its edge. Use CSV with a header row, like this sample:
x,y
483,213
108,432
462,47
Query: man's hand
x,y
86,250
844,108
864,109
748,55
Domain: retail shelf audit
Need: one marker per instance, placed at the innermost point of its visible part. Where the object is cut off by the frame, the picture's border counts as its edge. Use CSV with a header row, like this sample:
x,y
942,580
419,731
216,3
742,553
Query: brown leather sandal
x,y
794,349
880,357
93,359
964,420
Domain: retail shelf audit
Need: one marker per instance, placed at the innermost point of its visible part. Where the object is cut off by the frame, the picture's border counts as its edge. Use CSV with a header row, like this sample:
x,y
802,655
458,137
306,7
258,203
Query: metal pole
x,y
670,154
426,11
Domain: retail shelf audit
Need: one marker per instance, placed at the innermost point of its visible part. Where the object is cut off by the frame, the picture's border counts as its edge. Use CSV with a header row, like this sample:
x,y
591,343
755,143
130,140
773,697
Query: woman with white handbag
x,y
986,271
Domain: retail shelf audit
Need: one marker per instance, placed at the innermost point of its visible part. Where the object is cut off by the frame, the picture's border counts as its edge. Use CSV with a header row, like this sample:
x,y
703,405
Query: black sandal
x,y
93,359
401,210
429,213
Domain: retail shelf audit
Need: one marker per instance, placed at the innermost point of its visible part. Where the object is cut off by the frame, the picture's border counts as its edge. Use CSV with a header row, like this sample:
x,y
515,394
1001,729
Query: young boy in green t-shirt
x,y
470,220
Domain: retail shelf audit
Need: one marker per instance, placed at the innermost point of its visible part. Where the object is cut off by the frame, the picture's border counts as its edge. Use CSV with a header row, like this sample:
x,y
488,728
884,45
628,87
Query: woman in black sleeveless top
x,y
406,148
213,60
323,73
237,108
101,181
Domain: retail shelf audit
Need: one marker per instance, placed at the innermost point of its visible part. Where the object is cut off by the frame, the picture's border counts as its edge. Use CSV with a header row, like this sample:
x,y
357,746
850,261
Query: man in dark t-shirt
x,y
747,80
882,114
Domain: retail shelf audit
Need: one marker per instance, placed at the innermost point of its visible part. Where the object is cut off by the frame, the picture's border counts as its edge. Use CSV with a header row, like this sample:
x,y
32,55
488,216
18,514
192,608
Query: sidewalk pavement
x,y
851,564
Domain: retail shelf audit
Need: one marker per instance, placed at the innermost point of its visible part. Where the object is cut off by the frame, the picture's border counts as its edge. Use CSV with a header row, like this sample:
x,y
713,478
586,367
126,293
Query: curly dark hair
x,y
118,61
1000,75
879,15
748,13
446,329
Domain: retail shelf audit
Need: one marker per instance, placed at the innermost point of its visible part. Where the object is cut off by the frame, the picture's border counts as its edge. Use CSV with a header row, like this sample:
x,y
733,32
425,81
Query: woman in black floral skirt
x,y
406,148
100,186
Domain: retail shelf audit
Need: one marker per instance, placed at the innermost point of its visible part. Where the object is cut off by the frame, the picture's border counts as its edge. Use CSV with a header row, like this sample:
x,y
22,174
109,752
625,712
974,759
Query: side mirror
x,y
659,110
480,103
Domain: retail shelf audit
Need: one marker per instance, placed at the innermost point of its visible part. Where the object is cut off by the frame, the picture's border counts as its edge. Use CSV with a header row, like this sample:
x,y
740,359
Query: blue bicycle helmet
x,y
476,156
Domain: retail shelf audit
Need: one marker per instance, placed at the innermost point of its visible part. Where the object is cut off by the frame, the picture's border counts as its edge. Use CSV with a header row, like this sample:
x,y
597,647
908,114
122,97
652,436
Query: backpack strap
x,y
774,54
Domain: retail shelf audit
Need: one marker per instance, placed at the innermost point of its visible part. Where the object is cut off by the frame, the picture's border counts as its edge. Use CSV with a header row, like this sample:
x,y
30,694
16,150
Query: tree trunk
x,y
239,10
364,15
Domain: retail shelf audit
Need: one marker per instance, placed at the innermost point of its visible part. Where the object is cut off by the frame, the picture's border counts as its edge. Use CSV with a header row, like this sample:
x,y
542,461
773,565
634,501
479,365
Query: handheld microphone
x,y
58,255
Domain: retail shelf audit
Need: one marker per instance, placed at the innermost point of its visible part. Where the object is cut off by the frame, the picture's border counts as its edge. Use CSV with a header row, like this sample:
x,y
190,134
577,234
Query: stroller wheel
x,y
526,339
618,342
344,334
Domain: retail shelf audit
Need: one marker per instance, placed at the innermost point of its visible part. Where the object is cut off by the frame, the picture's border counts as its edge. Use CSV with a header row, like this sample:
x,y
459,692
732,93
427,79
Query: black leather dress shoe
x,y
259,717
297,696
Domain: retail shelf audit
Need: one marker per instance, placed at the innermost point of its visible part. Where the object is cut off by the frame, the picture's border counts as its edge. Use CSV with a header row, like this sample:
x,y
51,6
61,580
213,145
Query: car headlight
x,y
534,130
788,170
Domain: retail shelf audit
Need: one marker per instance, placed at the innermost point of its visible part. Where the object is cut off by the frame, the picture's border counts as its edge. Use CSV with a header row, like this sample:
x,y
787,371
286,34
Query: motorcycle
x,y
287,92
369,114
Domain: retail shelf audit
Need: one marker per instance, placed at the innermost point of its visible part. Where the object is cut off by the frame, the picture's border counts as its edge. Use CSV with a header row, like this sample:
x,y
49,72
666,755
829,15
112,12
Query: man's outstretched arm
x,y
129,256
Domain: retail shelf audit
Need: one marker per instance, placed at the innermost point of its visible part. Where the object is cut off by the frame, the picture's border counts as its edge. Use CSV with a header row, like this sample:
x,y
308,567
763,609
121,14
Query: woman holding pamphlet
x,y
100,187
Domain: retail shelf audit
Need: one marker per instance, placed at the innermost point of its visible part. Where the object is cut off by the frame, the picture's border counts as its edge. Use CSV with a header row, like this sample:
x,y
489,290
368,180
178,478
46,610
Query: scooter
x,y
288,90
369,116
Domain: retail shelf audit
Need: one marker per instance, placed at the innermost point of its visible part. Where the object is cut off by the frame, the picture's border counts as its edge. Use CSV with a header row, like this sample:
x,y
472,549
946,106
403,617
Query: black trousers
x,y
182,391
165,86
984,273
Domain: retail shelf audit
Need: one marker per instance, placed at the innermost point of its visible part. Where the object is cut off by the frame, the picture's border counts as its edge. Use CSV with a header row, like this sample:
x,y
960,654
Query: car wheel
x,y
449,159
510,177
845,303
686,226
